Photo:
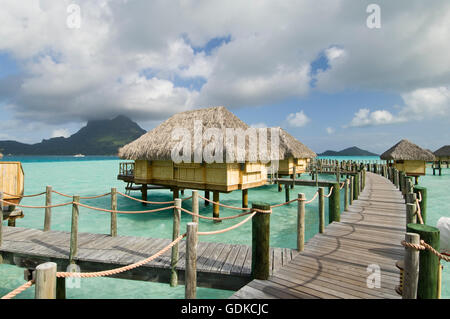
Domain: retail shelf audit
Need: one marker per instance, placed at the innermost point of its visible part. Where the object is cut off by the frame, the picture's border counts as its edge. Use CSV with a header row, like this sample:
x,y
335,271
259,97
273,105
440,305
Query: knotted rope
x,y
424,246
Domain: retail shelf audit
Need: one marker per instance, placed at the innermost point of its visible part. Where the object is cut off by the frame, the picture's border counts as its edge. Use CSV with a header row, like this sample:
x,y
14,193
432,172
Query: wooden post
x,y
351,184
195,208
301,212
48,210
286,193
402,183
190,287
338,173
427,287
61,288
395,178
423,203
216,198
293,177
356,187
411,217
411,270
74,230
207,197
334,204
411,198
245,198
321,210
260,242
113,215
144,193
1,218
346,194
175,234
45,281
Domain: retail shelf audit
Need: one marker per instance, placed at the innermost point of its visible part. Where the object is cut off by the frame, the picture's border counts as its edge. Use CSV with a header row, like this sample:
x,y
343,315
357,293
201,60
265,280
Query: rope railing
x,y
120,269
312,199
24,196
124,211
28,206
424,246
227,229
419,212
18,290
214,218
81,197
145,201
329,194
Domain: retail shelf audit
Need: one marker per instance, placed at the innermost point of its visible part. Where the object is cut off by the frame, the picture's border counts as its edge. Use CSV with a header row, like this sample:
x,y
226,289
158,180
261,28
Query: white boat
x,y
79,155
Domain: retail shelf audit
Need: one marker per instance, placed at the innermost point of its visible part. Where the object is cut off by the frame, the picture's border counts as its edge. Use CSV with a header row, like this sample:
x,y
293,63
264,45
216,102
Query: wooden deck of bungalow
x,y
337,263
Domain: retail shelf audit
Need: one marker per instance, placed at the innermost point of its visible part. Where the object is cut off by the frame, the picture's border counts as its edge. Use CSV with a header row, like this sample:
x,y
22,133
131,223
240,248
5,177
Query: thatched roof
x,y
443,151
157,144
405,150
291,147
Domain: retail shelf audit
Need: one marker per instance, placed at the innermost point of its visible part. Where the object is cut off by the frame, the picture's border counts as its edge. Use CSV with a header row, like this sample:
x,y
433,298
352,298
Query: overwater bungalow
x,y
408,157
153,164
294,155
11,183
443,154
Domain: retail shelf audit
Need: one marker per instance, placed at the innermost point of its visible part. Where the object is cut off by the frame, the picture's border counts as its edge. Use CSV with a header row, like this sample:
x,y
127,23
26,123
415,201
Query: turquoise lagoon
x,y
94,175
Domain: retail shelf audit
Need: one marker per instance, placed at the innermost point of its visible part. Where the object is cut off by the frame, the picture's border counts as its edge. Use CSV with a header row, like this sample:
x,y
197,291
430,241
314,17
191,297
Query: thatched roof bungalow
x,y
443,154
153,153
294,155
408,157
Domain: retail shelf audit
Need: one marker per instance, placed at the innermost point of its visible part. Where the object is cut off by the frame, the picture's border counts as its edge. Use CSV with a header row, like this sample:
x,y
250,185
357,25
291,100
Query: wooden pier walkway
x,y
221,266
335,264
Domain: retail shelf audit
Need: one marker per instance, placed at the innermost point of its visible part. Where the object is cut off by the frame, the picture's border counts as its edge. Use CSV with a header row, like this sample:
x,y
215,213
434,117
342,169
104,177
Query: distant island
x,y
351,151
98,137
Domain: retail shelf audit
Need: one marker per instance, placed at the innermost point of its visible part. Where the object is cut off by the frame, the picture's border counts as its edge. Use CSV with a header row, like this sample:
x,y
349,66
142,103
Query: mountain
x,y
351,151
98,137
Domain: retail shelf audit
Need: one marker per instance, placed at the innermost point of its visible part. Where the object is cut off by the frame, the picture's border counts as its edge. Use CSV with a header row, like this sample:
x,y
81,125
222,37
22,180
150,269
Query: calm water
x,y
96,175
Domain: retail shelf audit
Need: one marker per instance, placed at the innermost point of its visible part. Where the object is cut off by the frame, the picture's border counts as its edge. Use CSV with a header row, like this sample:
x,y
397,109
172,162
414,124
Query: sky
x,y
332,73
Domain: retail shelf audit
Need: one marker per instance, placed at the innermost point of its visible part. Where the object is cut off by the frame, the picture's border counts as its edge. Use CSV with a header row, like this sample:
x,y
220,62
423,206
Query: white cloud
x,y
426,102
330,130
61,132
96,70
298,119
418,104
334,53
364,117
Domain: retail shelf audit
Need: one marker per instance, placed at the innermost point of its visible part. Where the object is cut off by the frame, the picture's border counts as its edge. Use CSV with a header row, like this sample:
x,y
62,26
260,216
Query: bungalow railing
x,y
126,169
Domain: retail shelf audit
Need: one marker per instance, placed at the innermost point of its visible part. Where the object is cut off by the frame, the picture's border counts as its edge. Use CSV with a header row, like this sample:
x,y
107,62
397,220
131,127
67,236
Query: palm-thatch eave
x,y
407,151
444,151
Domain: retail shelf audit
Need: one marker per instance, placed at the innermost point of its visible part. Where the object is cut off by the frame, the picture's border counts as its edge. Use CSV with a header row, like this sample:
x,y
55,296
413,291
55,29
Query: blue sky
x,y
323,75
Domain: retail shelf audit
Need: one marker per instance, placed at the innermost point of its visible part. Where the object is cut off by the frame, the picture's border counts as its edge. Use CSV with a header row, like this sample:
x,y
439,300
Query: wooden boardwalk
x,y
221,266
334,264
